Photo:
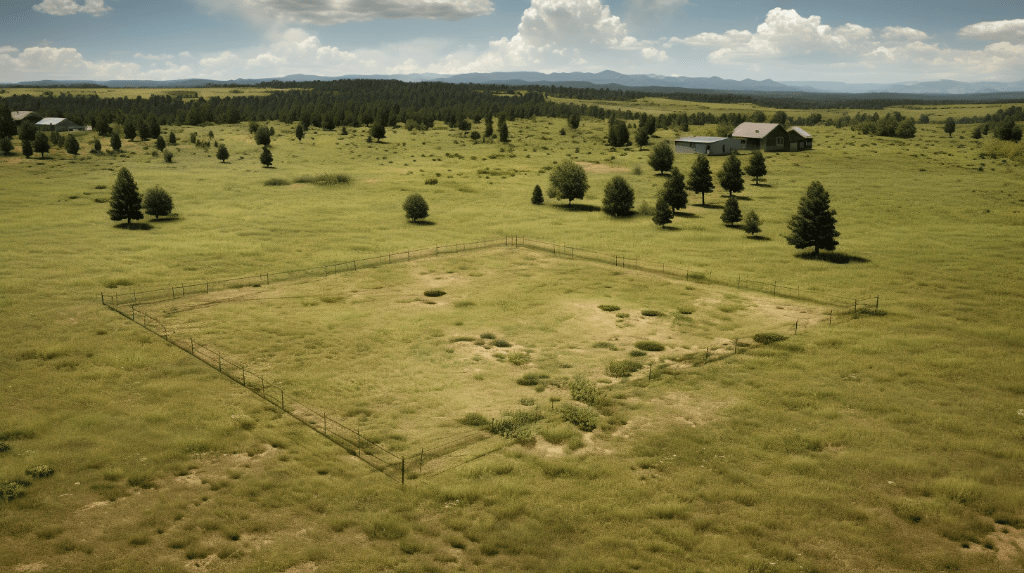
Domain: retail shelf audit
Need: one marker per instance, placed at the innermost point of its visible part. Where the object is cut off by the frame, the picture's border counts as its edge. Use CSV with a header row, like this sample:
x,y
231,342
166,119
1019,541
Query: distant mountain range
x,y
606,78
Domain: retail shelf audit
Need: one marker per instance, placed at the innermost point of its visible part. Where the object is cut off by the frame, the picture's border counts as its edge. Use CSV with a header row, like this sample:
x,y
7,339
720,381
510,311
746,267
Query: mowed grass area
x,y
885,444
377,354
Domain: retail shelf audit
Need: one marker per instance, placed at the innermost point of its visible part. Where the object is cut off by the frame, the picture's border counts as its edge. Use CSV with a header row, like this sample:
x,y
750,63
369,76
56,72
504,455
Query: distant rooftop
x,y
754,130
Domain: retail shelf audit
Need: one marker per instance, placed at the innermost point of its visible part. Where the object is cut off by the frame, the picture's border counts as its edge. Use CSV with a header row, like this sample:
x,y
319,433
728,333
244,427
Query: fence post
x,y
796,326
282,399
103,299
192,346
876,303
403,470
735,345
243,376
207,287
774,287
830,318
421,458
854,308
325,423
219,364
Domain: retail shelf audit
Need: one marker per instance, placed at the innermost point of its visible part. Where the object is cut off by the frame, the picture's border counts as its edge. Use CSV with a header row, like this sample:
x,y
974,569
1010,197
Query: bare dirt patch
x,y
602,168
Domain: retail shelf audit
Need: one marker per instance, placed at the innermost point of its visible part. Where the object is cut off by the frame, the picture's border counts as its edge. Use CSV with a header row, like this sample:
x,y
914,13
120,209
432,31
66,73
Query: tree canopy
x,y
415,207
568,181
950,126
538,196
700,177
814,224
266,158
662,156
157,202
731,175
618,197
674,191
756,167
663,214
222,153
752,223
732,214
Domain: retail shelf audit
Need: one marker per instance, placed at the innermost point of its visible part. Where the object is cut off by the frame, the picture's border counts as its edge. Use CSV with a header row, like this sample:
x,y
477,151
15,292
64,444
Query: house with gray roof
x,y
707,145
772,137
52,124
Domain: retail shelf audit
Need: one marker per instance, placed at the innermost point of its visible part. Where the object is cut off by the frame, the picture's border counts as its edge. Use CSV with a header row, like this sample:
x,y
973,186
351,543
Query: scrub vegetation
x,y
633,438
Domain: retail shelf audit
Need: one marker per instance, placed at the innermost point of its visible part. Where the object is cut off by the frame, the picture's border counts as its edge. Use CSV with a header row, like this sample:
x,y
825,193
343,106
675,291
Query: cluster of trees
x,y
894,124
126,203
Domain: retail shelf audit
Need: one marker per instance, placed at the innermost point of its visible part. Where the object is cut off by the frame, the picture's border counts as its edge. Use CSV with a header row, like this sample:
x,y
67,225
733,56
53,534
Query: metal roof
x,y
754,130
702,139
52,121
800,131
20,115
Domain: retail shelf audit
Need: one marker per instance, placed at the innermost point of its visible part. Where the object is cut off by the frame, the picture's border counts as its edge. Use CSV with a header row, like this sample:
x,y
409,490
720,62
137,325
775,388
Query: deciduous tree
x,y
222,153
41,144
618,197
157,202
700,177
125,201
756,167
71,145
663,214
731,175
415,207
568,181
814,224
950,126
662,156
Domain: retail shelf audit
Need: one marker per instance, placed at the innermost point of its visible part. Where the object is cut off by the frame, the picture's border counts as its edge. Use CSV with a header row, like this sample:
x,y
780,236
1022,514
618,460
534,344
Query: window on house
x,y
779,141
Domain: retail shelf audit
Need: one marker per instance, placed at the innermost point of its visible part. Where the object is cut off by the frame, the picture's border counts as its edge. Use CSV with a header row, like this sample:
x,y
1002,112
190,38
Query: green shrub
x,y
324,179
608,307
487,336
39,471
623,368
527,401
11,490
607,345
462,339
637,353
768,338
622,315
434,292
4,446
144,481
583,417
502,343
473,419
583,390
650,345
686,310
430,181
388,528
650,312
559,434
518,358
531,379
276,182
507,425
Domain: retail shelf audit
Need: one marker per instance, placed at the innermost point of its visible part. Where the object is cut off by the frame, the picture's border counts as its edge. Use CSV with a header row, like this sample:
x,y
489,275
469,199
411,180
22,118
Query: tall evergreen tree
x,y
751,223
266,158
731,214
125,201
662,156
129,130
299,132
674,191
731,175
538,196
502,129
814,224
115,141
222,153
71,145
574,120
489,126
756,167
41,144
26,147
663,214
160,143
950,126
700,177
378,131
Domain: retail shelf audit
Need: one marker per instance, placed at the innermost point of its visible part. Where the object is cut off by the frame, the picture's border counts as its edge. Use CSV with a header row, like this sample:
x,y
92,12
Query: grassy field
x,y
891,443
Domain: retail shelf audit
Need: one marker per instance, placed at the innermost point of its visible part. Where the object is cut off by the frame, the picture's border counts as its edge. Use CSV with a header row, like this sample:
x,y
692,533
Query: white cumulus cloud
x,y
44,62
326,12
998,30
901,33
69,7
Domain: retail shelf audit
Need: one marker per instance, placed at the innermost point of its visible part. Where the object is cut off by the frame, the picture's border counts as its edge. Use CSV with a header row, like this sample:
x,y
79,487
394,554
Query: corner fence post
x,y
103,299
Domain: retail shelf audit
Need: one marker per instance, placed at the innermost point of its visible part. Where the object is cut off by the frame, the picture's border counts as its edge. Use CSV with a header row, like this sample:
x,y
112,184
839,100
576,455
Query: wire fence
x,y
452,450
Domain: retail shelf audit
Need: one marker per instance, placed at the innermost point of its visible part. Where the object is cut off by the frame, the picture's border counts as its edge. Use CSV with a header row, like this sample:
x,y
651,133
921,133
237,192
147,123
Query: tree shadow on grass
x,y
758,238
763,185
578,207
167,219
685,215
710,206
134,226
423,223
832,257
743,198
670,228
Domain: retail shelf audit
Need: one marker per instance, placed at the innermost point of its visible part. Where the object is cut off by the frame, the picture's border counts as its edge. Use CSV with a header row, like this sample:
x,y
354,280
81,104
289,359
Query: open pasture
x,y
885,444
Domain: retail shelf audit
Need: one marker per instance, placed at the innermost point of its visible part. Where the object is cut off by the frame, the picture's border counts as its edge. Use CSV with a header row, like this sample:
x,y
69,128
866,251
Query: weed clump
x,y
768,338
11,491
637,353
324,179
4,446
532,379
518,358
623,368
387,528
510,423
434,292
583,390
502,343
473,419
580,416
650,346
608,307
607,345
39,471
276,182
650,312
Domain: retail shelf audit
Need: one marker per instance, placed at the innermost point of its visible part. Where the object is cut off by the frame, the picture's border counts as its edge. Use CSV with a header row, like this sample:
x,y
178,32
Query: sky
x,y
862,41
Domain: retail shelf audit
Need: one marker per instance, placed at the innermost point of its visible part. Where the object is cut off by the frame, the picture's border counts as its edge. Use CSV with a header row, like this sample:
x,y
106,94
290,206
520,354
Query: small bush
x,y
637,353
502,343
510,422
768,338
487,336
558,435
650,312
388,528
622,315
686,310
473,419
583,390
462,339
4,446
276,182
870,311
518,358
582,417
143,481
39,471
528,401
650,345
623,368
607,345
430,181
434,292
532,379
11,490
168,156
324,179
608,307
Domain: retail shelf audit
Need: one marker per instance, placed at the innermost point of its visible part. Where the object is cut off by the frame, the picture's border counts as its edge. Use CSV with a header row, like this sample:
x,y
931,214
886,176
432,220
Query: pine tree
x,y
115,141
172,139
574,121
674,191
160,143
752,223
378,131
731,175
96,145
5,145
299,133
662,156
125,201
157,202
731,214
266,158
700,177
262,136
489,126
502,129
950,126
663,214
538,196
415,207
814,224
71,145
26,147
618,197
7,126
129,130
222,153
41,144
756,167
642,136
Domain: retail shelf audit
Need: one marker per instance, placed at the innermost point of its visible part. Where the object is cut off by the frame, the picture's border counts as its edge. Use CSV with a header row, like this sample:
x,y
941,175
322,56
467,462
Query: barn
x,y
799,140
763,136
58,124
707,145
